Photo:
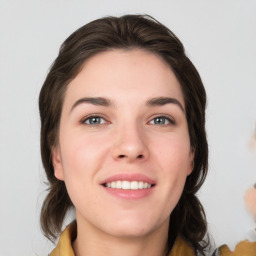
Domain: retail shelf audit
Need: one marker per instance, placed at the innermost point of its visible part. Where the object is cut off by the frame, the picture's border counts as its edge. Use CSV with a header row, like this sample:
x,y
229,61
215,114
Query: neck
x,y
91,241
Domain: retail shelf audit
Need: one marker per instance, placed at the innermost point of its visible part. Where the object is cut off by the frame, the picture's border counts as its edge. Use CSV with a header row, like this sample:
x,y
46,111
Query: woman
x,y
123,142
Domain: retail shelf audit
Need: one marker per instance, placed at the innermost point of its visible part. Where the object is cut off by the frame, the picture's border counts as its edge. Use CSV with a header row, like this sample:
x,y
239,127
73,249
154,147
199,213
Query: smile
x,y
125,184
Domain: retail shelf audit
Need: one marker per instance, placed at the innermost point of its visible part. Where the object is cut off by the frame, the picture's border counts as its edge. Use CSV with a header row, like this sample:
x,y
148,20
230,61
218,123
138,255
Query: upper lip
x,y
129,177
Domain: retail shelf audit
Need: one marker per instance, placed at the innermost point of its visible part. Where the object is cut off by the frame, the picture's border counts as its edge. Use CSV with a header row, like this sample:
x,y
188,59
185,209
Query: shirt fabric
x,y
244,248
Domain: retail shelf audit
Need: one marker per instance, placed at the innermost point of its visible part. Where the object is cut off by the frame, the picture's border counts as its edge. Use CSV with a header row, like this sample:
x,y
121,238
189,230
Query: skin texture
x,y
127,139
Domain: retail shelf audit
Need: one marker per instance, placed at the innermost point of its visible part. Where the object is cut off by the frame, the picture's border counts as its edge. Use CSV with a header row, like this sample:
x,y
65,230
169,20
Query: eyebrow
x,y
97,101
100,101
160,101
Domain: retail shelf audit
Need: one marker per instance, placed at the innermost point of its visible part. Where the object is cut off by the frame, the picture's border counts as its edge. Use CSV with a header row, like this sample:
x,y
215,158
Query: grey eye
x,y
161,120
94,120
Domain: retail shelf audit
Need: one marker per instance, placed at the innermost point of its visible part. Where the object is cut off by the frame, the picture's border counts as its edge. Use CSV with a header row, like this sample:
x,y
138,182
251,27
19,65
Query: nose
x,y
130,144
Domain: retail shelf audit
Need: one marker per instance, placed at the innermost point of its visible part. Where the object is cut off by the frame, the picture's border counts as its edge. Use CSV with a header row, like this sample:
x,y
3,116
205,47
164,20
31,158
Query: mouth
x,y
128,185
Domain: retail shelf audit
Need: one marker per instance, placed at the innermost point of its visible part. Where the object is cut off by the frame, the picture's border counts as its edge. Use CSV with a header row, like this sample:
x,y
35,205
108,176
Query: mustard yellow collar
x,y
64,246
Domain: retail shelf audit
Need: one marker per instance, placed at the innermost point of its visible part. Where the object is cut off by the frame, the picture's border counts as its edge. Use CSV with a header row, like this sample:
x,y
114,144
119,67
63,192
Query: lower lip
x,y
129,194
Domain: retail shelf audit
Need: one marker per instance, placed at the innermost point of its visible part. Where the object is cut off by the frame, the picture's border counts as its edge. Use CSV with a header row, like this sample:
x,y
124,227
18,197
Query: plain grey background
x,y
219,37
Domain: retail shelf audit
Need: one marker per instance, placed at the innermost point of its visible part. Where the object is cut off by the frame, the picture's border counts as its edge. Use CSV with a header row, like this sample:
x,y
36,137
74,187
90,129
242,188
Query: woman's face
x,y
124,149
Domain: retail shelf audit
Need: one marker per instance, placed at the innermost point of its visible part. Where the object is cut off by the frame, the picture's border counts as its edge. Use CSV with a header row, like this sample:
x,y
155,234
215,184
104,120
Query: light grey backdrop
x,y
220,38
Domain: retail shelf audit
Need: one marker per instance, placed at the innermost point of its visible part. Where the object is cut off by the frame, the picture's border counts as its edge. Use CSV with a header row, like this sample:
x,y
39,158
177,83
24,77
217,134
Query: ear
x,y
191,161
57,163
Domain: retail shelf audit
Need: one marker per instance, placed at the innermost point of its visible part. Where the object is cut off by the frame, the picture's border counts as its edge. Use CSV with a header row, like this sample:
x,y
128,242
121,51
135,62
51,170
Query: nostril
x,y
123,156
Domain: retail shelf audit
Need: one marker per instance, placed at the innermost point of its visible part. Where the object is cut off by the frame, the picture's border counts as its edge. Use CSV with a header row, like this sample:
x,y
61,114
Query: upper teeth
x,y
128,184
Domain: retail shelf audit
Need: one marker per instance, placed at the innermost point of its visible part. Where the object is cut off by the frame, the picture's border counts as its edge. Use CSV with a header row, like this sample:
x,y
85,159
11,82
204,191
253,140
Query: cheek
x,y
79,161
174,153
174,158
82,155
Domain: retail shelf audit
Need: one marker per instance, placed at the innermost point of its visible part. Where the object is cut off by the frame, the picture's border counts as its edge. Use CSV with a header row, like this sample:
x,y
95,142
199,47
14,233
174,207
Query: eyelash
x,y
88,118
169,119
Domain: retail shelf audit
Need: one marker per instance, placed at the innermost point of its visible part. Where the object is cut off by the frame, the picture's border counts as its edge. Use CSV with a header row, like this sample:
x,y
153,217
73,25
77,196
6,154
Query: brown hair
x,y
126,32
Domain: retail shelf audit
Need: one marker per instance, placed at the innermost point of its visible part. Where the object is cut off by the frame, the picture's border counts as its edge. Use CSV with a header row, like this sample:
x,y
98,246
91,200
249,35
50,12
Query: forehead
x,y
124,74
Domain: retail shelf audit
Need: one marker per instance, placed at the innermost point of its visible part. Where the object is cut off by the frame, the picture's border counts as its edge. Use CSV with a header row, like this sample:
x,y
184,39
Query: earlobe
x,y
57,163
190,169
191,166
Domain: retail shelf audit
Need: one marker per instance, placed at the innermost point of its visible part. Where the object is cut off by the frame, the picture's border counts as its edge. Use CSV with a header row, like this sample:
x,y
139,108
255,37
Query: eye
x,y
162,120
94,120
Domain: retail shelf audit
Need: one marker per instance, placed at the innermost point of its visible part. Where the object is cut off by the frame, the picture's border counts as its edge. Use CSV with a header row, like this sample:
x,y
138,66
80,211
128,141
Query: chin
x,y
130,231
133,228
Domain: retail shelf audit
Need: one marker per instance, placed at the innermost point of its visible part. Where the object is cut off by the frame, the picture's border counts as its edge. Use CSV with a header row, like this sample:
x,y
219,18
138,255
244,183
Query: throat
x,y
99,243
